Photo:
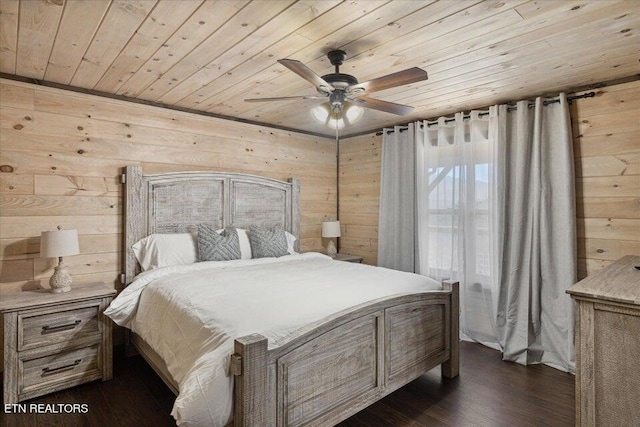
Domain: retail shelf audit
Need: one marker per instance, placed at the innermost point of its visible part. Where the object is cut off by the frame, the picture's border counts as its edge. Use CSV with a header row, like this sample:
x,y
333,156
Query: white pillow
x,y
161,250
245,245
291,240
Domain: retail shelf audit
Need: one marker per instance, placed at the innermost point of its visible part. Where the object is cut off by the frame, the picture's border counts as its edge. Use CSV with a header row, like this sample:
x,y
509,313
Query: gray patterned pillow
x,y
217,247
268,242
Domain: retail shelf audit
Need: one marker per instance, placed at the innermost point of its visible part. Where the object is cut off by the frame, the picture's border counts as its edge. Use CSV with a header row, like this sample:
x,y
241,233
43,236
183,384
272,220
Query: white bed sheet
x,y
190,315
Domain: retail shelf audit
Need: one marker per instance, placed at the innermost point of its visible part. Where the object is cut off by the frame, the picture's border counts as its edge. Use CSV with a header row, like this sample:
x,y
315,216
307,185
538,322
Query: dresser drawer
x,y
37,328
59,370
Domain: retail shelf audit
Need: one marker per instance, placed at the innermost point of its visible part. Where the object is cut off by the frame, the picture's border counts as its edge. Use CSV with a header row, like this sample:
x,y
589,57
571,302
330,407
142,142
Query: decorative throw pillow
x,y
245,244
214,246
267,243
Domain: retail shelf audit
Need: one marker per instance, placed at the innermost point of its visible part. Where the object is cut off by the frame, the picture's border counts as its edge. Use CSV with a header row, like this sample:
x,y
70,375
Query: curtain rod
x,y
510,108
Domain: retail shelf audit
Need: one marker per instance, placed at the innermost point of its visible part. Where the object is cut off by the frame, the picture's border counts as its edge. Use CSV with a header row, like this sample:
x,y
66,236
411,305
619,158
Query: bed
x,y
331,367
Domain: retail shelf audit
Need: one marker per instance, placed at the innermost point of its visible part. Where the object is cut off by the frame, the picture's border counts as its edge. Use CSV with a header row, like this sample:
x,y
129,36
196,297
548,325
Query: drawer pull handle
x,y
61,327
48,370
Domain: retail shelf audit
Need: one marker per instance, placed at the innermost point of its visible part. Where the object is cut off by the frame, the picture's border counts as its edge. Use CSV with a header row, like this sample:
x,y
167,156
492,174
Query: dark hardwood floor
x,y
489,392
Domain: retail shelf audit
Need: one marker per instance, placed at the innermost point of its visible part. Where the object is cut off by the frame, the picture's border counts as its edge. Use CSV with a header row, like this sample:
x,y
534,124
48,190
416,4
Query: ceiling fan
x,y
345,93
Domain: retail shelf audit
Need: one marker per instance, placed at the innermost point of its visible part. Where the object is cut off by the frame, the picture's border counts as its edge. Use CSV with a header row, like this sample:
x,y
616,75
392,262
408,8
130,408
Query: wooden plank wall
x,y
360,196
606,132
607,154
61,154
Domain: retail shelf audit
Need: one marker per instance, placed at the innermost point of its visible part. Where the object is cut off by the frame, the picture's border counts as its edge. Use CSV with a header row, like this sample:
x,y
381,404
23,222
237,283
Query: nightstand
x,y
55,341
348,258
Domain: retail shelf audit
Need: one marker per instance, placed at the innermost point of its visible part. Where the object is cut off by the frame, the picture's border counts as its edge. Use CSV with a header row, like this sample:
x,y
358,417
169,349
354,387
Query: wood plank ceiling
x,y
211,55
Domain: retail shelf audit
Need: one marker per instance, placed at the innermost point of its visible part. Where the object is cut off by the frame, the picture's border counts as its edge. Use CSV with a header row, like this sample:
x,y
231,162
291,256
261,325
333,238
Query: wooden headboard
x,y
174,202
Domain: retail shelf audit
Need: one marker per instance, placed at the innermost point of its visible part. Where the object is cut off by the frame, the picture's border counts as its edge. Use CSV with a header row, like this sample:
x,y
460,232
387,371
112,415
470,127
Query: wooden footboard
x,y
341,365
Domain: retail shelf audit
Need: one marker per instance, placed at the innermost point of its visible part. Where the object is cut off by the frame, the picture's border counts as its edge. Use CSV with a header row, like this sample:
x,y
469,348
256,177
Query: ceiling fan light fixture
x,y
333,117
335,123
322,112
353,113
344,90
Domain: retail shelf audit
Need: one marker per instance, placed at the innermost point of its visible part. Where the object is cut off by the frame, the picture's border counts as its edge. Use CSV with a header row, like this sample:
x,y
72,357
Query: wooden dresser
x,y
608,346
55,341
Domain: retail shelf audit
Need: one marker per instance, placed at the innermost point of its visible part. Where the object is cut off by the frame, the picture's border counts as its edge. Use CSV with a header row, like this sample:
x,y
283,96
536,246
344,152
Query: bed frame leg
x,y
250,382
451,368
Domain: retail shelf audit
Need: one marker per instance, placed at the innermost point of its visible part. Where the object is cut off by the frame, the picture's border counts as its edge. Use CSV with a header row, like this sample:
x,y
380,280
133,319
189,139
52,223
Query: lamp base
x,y
331,249
61,280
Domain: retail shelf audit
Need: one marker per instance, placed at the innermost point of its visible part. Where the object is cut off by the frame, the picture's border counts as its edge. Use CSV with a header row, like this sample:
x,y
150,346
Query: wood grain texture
x,y
55,341
618,282
72,40
9,11
330,371
414,334
37,28
64,367
617,380
176,201
607,343
211,55
106,354
451,368
250,388
63,154
607,155
360,164
345,362
41,328
10,357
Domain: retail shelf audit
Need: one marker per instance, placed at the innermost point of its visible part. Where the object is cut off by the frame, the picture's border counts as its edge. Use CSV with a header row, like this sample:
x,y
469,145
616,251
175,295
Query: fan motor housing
x,y
340,80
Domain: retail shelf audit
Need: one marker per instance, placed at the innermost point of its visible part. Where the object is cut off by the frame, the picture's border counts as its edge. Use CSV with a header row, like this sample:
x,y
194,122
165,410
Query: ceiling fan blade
x,y
400,78
306,73
284,98
386,106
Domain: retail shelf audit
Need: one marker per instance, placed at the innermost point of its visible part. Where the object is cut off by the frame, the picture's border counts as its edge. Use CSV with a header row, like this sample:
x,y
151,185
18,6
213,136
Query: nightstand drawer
x,y
37,328
58,370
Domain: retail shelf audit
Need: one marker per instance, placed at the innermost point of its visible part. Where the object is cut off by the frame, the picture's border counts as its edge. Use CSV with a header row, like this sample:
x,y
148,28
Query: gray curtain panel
x,y
396,230
537,233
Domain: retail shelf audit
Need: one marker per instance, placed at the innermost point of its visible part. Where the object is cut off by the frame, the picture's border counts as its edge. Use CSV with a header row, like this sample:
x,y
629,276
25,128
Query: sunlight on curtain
x,y
456,216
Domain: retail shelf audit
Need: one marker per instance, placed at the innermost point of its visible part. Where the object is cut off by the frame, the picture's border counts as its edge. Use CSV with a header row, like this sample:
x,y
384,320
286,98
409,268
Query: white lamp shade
x,y
331,229
59,243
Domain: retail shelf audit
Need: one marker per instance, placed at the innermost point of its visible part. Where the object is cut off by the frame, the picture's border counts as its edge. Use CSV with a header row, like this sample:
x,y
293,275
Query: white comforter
x,y
190,315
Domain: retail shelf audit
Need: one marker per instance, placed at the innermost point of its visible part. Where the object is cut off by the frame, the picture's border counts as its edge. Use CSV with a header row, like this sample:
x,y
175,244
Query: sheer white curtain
x,y
396,232
456,215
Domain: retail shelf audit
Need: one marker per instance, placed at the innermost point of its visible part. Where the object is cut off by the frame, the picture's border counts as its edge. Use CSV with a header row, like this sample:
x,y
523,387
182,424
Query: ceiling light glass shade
x,y
335,124
353,113
321,112
350,113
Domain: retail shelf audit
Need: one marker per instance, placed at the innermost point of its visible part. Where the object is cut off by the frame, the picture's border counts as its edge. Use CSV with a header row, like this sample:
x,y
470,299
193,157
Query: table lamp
x,y
330,230
59,243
